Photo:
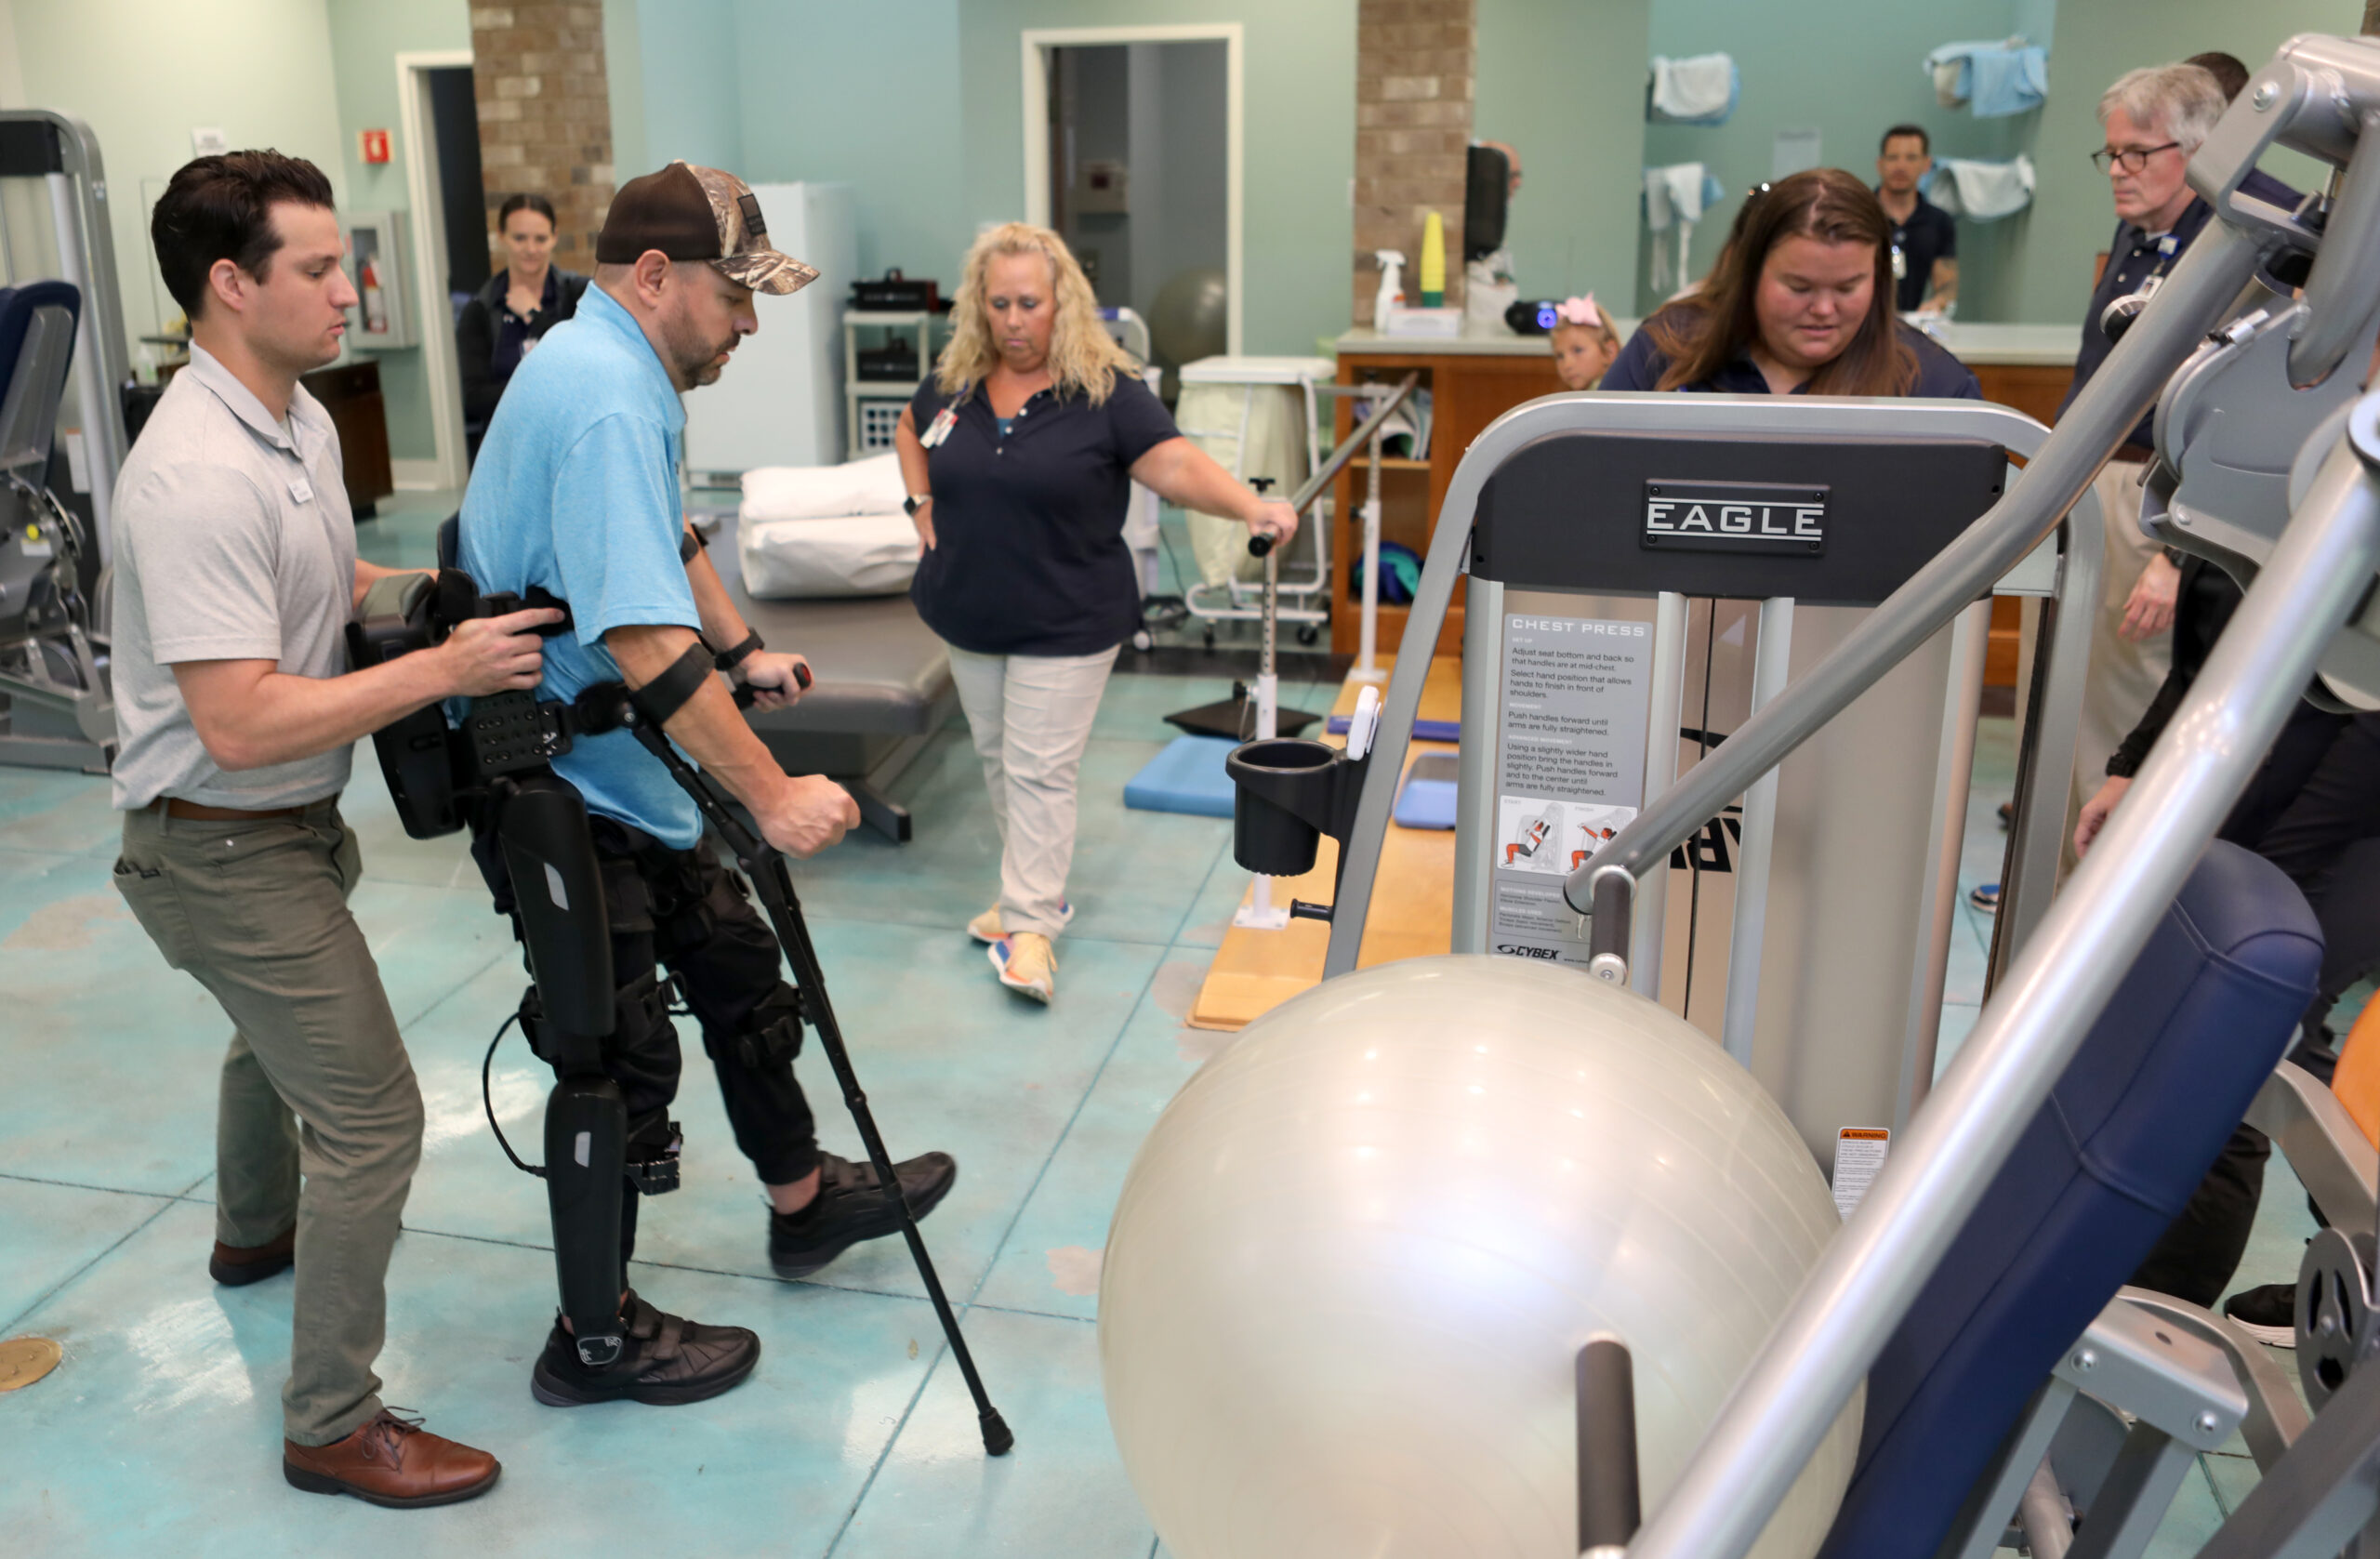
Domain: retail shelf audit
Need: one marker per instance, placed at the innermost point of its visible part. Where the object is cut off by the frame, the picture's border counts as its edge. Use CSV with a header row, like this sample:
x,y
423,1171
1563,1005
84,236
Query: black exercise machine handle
x,y
1258,545
1609,1510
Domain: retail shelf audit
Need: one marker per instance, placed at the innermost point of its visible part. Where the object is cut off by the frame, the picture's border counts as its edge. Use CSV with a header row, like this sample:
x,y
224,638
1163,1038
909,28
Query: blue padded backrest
x,y
2108,1164
17,306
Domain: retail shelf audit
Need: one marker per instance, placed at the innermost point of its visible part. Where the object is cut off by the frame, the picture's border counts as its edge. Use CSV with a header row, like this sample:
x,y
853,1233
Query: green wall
x,y
868,95
682,56
1849,69
257,69
2098,41
1562,81
365,38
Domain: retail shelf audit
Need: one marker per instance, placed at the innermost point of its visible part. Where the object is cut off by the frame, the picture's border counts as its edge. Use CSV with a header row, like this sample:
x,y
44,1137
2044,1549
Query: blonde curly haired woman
x,y
1018,454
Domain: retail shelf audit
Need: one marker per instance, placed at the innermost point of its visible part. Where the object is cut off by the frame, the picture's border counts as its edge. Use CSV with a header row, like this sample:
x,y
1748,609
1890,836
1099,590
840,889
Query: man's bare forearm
x,y
250,716
723,625
708,726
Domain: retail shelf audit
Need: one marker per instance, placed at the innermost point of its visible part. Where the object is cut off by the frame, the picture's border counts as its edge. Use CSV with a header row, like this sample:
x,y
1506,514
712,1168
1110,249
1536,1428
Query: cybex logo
x,y
1735,517
1522,950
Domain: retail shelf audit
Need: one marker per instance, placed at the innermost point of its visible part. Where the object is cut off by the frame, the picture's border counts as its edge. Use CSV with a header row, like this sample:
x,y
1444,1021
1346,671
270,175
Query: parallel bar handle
x,y
1610,1511
1312,486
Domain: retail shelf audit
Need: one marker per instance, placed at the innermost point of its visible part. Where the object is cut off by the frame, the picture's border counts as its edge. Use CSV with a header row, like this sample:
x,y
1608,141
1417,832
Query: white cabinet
x,y
780,401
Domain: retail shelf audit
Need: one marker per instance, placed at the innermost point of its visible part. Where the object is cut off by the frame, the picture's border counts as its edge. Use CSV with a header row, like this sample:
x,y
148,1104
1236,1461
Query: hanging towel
x,y
1676,196
1998,77
1980,192
1701,89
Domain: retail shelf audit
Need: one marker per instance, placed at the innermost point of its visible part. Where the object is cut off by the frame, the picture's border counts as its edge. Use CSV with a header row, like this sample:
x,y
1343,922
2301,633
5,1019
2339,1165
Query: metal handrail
x,y
1311,488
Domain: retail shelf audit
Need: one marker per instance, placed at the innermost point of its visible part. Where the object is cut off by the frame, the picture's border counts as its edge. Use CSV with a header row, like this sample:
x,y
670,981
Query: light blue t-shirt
x,y
576,491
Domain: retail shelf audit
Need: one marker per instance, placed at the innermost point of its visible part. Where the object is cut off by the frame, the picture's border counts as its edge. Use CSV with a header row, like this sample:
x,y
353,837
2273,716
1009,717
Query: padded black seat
x,y
883,687
2126,1136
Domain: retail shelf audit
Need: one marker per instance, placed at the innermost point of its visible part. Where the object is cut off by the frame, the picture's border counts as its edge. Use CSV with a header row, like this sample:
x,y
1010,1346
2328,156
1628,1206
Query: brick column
x,y
546,115
1414,61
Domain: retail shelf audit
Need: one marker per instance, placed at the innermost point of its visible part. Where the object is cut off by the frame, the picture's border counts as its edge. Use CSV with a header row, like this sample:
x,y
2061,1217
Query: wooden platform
x,y
1412,911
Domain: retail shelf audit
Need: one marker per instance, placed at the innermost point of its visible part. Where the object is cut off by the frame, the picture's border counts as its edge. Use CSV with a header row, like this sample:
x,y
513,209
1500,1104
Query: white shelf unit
x,y
874,405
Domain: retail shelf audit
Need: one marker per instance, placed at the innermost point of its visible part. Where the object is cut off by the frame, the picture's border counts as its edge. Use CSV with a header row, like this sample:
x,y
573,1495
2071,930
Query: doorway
x,y
437,136
1132,155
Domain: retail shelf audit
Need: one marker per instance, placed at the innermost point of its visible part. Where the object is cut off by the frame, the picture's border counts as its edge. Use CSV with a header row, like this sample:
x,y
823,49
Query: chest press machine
x,y
493,772
2132,1020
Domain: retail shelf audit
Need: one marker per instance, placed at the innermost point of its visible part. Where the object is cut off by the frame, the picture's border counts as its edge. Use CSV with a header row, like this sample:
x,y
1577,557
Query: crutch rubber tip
x,y
996,1438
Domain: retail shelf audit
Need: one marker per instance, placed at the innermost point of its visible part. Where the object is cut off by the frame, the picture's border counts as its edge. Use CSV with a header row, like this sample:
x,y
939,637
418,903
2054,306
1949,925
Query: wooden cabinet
x,y
1469,389
350,392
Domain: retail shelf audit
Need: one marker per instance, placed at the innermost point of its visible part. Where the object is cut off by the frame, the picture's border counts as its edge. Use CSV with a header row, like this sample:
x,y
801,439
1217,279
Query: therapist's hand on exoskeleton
x,y
774,680
496,654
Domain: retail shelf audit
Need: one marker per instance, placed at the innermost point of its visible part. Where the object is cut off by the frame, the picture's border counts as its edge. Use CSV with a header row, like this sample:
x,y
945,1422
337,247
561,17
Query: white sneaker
x,y
986,927
1027,964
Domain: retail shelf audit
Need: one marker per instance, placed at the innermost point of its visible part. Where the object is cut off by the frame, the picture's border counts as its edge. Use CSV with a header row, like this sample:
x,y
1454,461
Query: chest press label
x,y
1735,517
1570,769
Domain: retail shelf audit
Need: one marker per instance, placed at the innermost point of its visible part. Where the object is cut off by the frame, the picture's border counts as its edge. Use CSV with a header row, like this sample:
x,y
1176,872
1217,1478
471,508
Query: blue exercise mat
x,y
1187,776
1423,730
1427,800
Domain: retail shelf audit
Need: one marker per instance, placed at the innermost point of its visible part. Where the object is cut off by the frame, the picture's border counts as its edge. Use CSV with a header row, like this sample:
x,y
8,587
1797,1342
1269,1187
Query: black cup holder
x,y
1288,793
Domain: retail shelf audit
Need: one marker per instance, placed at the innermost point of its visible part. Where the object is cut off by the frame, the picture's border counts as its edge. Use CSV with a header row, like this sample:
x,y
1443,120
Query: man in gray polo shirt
x,y
235,574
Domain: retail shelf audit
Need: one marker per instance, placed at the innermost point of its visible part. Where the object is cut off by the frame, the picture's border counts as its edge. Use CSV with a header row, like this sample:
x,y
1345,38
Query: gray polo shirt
x,y
232,542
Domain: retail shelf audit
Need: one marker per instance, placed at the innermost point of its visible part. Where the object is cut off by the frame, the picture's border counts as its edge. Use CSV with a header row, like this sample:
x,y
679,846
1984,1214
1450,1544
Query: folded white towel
x,y
1981,192
1700,88
870,486
846,555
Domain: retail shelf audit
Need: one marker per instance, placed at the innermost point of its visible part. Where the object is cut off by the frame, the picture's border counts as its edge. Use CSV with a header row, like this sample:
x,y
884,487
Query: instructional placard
x,y
1569,768
1858,1158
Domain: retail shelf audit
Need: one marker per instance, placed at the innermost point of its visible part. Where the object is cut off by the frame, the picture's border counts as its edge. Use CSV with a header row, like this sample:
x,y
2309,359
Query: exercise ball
x,y
1353,1263
1191,317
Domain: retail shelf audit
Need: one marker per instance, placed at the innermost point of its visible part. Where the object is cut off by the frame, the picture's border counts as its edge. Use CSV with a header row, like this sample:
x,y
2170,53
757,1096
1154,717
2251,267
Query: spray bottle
x,y
1392,286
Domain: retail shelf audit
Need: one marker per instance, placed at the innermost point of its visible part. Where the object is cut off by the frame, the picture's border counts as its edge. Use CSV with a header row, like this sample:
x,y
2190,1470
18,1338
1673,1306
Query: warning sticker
x,y
1569,768
1858,1158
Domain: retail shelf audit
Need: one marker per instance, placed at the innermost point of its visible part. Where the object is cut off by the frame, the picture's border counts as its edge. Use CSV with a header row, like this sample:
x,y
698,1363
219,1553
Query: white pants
x,y
1031,718
2125,674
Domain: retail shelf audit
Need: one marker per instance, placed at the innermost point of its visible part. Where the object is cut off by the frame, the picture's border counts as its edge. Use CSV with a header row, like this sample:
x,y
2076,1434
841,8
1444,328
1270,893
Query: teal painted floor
x,y
854,1439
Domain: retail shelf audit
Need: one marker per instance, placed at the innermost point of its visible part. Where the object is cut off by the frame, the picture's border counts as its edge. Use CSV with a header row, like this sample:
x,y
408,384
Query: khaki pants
x,y
257,913
2125,674
1030,716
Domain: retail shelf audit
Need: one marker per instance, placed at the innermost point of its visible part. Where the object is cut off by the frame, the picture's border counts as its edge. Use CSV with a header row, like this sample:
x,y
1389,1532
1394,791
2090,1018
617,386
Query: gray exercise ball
x,y
1191,316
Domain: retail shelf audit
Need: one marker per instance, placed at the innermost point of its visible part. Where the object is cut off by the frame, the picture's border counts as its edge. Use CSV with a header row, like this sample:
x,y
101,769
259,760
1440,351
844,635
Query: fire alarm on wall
x,y
374,145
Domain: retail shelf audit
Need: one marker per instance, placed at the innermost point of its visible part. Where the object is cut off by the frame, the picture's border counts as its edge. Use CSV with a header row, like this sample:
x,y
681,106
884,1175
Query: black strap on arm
x,y
743,650
690,541
659,700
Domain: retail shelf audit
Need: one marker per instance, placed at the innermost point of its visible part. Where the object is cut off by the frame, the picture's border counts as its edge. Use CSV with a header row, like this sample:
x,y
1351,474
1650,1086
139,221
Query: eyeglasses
x,y
2130,160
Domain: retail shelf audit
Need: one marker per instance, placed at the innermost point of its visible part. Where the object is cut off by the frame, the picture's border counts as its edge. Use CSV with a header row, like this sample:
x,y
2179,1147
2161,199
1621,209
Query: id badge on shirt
x,y
939,430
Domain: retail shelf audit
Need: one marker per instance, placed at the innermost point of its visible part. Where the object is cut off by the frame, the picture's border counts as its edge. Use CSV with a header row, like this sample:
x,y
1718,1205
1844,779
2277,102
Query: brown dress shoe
x,y
237,1264
390,1462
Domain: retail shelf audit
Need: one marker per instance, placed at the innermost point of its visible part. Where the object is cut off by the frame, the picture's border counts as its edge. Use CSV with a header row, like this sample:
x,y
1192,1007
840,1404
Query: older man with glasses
x,y
2153,120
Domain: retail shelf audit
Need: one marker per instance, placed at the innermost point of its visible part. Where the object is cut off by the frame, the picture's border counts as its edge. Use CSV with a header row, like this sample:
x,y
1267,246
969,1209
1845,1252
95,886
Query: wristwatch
x,y
914,502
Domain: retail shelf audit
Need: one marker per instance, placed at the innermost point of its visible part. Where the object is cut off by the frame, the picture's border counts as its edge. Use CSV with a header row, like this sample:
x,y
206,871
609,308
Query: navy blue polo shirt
x,y
1640,367
2133,256
1029,556
1928,235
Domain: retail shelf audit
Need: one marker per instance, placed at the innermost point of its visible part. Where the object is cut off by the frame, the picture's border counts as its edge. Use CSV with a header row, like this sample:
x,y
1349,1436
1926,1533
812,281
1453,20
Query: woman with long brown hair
x,y
1801,303
1019,454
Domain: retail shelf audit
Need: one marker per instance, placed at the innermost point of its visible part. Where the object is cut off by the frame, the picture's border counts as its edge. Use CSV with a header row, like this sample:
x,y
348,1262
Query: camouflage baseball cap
x,y
690,213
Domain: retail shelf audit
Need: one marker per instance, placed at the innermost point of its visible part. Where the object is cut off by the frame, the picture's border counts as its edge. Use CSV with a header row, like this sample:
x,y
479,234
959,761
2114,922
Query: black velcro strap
x,y
690,541
743,649
659,700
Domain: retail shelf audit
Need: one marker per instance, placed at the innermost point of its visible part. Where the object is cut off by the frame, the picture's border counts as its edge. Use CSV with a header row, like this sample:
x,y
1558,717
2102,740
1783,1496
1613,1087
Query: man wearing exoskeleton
x,y
575,496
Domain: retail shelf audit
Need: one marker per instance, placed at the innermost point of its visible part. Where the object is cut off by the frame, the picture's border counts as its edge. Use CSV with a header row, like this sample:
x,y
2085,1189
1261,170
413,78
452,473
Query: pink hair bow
x,y
1579,311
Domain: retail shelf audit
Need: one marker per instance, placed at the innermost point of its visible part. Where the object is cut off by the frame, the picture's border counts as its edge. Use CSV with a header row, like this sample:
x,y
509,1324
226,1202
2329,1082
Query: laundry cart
x,y
1258,416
